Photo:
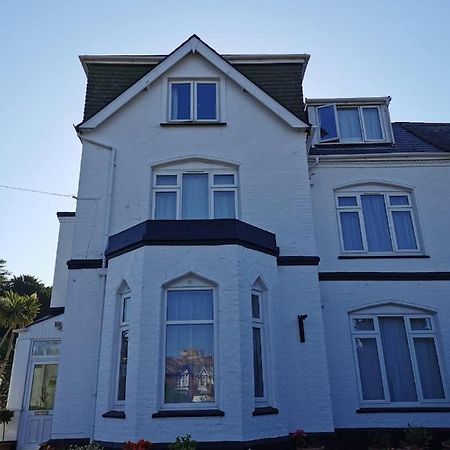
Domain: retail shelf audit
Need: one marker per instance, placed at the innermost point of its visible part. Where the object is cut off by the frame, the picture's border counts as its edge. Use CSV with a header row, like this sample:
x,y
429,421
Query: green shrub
x,y
416,437
183,443
91,446
380,439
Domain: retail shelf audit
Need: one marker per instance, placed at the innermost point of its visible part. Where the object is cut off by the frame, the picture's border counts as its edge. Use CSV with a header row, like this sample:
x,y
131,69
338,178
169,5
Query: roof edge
x,y
374,100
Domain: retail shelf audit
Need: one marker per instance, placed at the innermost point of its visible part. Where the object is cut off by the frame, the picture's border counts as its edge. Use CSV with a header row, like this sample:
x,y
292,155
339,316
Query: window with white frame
x,y
209,194
377,222
349,124
122,360
193,101
397,358
189,351
258,345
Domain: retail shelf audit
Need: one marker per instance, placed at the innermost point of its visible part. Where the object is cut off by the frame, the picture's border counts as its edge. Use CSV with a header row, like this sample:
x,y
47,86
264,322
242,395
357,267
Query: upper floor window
x,y
397,358
377,222
193,101
349,124
195,195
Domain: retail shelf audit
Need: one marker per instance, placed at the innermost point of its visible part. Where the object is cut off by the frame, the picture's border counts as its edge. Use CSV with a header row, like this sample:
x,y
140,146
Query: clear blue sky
x,y
399,48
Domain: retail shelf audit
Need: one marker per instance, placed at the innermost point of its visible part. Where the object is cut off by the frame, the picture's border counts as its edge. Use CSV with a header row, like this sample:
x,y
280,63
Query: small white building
x,y
241,265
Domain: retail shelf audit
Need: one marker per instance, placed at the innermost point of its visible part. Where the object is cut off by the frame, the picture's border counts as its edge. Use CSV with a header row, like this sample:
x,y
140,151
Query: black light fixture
x,y
301,326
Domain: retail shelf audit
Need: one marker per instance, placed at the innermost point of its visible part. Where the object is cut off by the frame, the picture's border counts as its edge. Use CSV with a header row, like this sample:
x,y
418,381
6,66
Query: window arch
x,y
376,217
397,354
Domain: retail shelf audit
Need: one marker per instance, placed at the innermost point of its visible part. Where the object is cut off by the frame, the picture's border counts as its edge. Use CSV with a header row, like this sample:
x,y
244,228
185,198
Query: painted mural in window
x,y
189,356
43,387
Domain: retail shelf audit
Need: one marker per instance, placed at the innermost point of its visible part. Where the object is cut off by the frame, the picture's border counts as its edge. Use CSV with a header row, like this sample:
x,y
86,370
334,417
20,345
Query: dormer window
x,y
349,124
193,101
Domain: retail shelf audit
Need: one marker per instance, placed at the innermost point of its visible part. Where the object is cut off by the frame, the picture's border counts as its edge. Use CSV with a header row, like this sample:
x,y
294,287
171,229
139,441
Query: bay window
x,y
189,351
195,195
377,222
397,359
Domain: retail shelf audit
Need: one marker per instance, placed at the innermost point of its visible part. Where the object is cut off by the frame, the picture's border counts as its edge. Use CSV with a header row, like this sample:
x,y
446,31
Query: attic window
x,y
350,124
193,101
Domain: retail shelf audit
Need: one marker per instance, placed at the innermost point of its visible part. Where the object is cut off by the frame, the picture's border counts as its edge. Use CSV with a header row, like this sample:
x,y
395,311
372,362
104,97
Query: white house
x,y
193,300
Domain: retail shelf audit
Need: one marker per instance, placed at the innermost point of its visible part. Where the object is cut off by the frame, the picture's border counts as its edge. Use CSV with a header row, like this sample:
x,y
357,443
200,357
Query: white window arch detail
x,y
195,188
377,218
397,355
190,343
123,306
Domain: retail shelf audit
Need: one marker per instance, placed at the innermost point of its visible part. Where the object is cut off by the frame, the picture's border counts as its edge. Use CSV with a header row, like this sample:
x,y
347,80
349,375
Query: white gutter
x,y
103,272
349,100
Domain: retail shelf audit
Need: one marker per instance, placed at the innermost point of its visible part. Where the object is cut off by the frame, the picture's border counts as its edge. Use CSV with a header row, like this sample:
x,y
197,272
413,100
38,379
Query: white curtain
x,y
166,205
372,123
397,359
190,305
430,375
376,223
349,124
224,205
351,231
369,369
195,196
404,230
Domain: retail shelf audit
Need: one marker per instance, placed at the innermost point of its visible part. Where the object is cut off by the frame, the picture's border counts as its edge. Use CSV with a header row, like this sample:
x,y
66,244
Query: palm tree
x,y
16,311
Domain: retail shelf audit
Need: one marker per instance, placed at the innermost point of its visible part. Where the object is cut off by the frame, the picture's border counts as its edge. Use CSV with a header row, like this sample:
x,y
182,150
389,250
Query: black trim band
x,y
192,232
189,413
114,414
65,214
414,409
384,276
298,260
384,257
73,264
264,411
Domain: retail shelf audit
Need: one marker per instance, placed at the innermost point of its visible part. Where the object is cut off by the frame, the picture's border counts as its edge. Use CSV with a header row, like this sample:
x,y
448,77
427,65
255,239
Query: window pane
x,y
347,201
223,179
122,382
397,359
369,369
43,388
430,375
351,231
404,230
181,101
190,305
372,123
328,129
166,180
376,223
257,363
189,365
396,200
256,314
363,325
224,207
420,324
46,348
126,309
206,101
195,196
349,125
166,205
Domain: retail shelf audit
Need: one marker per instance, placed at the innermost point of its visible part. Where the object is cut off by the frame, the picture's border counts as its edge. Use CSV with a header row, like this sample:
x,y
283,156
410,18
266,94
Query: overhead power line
x,y
37,191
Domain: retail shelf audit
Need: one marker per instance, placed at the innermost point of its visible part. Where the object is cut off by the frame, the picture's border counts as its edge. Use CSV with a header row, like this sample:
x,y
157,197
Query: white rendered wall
x,y
63,254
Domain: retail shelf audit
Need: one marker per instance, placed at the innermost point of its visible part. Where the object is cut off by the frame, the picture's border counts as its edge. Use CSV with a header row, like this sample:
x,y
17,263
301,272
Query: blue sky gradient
x,y
358,48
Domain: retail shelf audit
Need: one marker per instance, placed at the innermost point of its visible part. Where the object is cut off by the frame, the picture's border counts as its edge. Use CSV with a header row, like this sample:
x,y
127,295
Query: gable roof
x,y
112,82
436,134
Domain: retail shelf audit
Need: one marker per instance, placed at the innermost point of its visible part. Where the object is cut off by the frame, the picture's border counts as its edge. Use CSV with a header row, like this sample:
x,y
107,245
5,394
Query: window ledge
x,y
189,413
114,414
421,256
403,409
264,411
194,123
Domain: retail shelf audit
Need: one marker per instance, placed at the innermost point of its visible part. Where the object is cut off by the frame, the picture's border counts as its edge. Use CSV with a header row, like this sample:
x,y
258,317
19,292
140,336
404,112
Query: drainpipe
x,y
103,271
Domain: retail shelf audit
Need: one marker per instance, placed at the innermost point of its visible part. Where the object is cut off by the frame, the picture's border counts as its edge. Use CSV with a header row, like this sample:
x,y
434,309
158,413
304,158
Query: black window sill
x,y
383,256
405,409
265,411
189,413
194,123
113,414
